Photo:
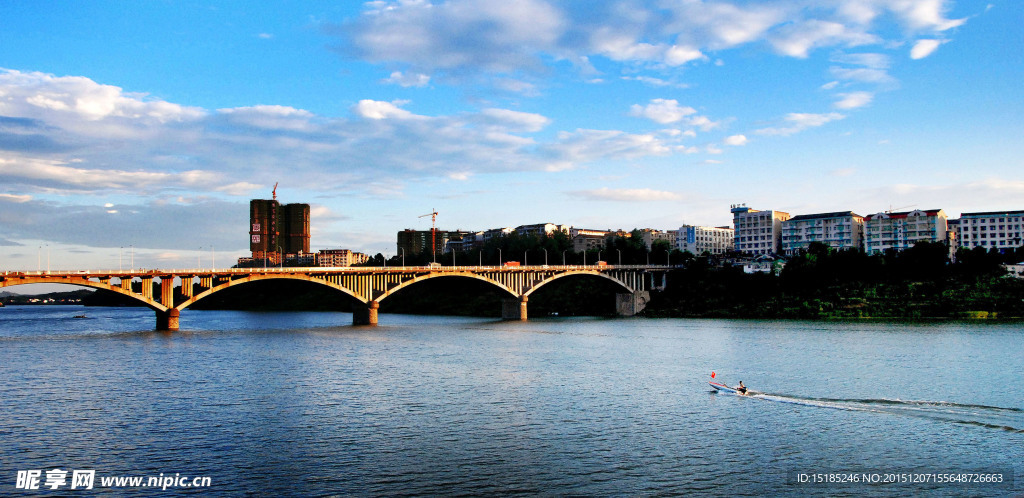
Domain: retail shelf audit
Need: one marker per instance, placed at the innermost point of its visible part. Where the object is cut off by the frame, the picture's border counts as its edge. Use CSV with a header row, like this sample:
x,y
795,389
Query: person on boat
x,y
742,389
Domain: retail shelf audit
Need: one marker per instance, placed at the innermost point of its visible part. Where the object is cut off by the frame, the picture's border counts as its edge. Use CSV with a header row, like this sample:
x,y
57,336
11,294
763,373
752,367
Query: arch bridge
x,y
168,292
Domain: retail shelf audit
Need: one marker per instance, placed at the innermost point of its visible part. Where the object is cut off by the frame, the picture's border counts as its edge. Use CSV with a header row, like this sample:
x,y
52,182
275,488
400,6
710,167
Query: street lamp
x,y
620,256
563,257
403,255
545,256
598,256
524,259
499,256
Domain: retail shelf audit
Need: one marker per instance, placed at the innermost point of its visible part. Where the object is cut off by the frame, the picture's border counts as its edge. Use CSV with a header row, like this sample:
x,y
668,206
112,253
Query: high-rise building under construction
x,y
276,229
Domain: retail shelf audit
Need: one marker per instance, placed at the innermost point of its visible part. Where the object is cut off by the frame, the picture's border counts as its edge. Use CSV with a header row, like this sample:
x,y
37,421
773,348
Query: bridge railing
x,y
137,272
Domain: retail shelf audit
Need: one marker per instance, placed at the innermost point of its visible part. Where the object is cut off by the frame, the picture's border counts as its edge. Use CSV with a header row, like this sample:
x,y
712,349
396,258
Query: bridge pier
x,y
514,309
365,315
630,304
167,320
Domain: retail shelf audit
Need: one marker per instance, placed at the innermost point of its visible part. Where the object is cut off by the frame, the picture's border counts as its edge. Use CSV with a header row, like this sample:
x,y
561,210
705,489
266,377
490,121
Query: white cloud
x,y
798,39
53,174
668,111
408,79
235,151
514,120
924,48
375,109
853,100
15,198
798,122
238,188
662,111
460,37
627,195
270,117
583,146
862,74
924,14
735,140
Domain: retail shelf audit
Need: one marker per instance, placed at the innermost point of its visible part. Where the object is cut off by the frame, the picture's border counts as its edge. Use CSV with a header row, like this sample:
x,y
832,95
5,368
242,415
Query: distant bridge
x,y
368,285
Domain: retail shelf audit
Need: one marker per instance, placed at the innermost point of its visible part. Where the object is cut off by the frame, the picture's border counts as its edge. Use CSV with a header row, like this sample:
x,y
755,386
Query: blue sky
x,y
148,126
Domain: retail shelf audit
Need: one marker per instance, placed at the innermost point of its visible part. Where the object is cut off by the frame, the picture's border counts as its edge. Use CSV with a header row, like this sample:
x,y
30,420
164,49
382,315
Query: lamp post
x,y
403,255
598,256
499,256
563,257
545,256
525,263
620,256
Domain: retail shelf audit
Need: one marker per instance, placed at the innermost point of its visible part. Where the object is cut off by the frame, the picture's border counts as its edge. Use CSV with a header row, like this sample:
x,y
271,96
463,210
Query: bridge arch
x,y
573,273
270,276
427,276
151,303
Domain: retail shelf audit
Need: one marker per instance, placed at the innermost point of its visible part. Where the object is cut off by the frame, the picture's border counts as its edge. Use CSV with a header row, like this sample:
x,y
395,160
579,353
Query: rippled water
x,y
304,404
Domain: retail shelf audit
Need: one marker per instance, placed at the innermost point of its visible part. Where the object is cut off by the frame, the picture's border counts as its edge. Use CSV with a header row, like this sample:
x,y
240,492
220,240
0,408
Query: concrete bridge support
x,y
365,315
632,303
167,320
514,309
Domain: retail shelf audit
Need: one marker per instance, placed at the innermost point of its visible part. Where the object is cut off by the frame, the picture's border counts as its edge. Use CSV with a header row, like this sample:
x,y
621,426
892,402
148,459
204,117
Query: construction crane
x,y
274,192
893,210
433,232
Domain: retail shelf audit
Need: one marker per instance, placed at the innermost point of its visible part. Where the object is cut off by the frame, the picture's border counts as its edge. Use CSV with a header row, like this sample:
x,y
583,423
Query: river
x,y
304,404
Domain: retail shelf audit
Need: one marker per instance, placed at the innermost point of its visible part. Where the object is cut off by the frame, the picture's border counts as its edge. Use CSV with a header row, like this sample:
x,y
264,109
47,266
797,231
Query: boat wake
x,y
989,417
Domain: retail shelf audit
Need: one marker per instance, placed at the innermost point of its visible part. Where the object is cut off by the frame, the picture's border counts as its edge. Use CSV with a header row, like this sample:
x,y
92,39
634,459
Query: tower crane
x,y
274,192
893,210
433,232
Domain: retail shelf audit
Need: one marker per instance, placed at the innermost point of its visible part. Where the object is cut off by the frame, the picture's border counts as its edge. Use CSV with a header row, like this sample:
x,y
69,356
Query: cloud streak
x,y
460,37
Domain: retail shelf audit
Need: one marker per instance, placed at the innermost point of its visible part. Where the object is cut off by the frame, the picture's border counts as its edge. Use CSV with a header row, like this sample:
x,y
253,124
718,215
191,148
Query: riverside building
x,y
757,232
1000,230
699,240
276,230
840,230
899,231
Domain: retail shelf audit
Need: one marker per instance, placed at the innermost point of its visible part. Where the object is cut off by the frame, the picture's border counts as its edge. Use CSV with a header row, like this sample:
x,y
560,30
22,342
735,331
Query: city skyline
x,y
152,126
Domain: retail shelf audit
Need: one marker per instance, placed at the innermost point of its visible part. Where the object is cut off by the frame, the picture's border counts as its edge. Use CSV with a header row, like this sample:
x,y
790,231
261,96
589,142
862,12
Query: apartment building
x,y
839,230
340,257
899,231
699,240
1000,230
757,232
650,235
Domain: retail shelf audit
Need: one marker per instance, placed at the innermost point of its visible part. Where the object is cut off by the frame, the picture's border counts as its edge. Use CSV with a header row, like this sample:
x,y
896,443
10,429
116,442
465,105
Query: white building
x,y
757,232
542,229
340,257
698,240
1016,271
899,231
651,235
999,230
840,230
584,240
